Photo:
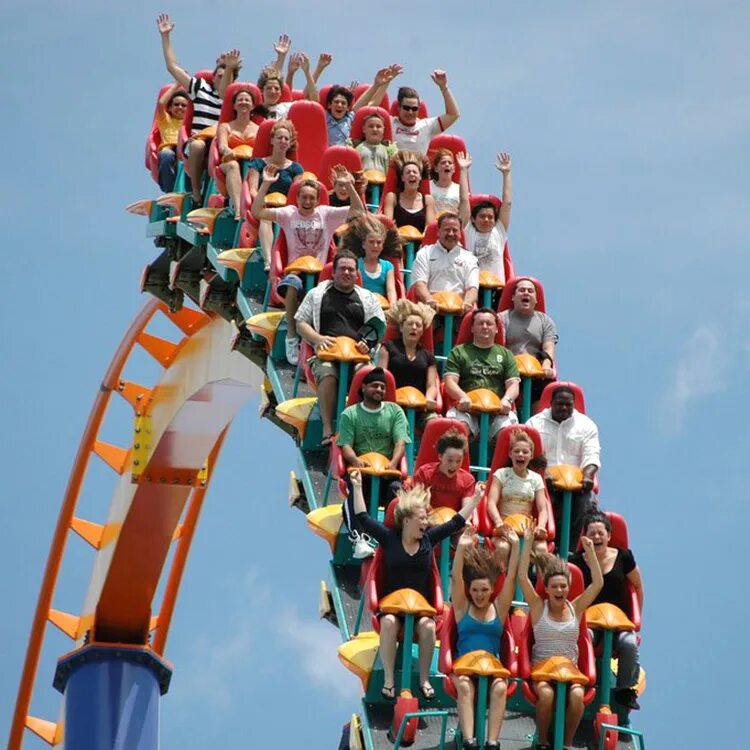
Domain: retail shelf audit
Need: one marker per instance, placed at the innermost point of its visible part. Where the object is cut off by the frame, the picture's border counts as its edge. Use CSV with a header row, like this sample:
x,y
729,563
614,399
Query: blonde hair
x,y
521,436
410,502
551,565
364,224
401,309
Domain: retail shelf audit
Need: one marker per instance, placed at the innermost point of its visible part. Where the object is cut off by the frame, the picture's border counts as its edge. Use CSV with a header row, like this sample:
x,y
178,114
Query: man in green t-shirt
x,y
374,425
482,364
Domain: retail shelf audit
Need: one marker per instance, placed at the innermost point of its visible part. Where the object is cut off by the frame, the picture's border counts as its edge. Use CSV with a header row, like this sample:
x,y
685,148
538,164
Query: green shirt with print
x,y
366,431
481,368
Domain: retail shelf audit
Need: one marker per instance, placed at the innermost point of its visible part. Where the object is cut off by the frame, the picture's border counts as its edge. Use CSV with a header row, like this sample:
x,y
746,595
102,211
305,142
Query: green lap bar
x,y
606,670
484,439
406,655
481,714
526,406
411,417
561,694
374,496
565,531
343,386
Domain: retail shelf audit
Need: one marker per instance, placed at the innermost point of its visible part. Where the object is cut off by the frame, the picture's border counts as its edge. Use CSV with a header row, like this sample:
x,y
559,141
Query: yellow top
x,y
304,264
488,280
483,399
374,177
529,366
377,464
406,602
344,349
557,669
566,477
480,664
606,616
410,233
408,397
169,128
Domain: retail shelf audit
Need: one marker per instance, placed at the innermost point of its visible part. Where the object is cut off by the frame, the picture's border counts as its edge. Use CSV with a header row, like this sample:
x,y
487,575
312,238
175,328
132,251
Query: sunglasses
x,y
410,108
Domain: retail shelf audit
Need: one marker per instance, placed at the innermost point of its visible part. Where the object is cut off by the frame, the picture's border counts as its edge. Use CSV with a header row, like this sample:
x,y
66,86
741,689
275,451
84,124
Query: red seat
x,y
375,580
395,106
433,430
309,120
619,539
500,459
431,235
391,184
286,94
187,124
227,114
449,640
586,660
454,143
297,95
506,298
545,399
476,198
332,157
359,118
384,102
153,140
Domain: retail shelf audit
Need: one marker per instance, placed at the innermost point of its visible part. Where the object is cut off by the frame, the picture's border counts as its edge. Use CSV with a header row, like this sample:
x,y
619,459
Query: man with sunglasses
x,y
413,133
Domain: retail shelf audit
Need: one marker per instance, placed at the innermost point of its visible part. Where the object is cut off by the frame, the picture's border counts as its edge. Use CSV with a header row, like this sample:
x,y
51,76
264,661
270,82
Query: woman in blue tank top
x,y
479,619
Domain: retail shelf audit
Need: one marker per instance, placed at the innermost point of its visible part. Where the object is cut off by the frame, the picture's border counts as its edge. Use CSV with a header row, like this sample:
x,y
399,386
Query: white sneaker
x,y
292,350
362,548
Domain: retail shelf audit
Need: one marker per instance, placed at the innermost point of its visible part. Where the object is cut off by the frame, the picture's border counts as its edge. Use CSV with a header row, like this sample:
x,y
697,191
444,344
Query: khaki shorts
x,y
321,369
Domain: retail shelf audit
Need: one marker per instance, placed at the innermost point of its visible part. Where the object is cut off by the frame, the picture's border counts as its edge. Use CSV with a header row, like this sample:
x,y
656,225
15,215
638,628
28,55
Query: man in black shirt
x,y
337,308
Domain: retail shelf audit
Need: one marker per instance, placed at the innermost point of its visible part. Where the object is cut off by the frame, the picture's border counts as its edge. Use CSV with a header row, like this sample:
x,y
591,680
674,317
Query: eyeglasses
x,y
410,108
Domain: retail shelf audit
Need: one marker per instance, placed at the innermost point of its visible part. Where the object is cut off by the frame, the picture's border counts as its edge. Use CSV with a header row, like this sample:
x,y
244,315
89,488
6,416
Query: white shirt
x,y
280,111
446,198
489,247
445,271
415,137
574,441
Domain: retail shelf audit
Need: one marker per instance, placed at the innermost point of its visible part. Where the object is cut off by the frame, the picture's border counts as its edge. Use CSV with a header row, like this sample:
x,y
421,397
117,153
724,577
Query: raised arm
x,y
458,592
232,64
429,209
471,506
165,26
586,599
342,176
529,594
311,89
295,61
451,114
464,206
324,60
165,97
503,166
281,48
505,599
258,208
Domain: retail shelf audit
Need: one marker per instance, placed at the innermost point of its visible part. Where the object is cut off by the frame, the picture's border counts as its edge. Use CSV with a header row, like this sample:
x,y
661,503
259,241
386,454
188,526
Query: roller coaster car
x,y
227,115
454,143
359,118
500,459
153,139
545,400
354,397
309,120
332,157
586,662
433,431
279,260
448,644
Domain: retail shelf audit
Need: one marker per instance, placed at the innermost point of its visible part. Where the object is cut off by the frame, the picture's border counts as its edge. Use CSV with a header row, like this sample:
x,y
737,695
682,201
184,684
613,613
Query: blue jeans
x,y
167,169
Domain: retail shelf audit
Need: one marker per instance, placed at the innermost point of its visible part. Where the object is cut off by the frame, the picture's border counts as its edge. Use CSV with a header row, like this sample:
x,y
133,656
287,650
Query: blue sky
x,y
628,125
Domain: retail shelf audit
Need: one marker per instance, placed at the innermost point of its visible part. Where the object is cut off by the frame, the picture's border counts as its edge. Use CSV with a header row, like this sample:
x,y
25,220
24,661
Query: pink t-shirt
x,y
310,235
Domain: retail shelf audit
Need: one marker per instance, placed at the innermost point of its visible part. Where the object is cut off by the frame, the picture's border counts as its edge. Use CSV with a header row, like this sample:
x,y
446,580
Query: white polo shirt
x,y
446,271
574,441
415,137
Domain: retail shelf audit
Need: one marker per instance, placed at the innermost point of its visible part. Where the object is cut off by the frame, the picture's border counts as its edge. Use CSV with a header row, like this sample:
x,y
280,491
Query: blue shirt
x,y
376,285
474,635
339,130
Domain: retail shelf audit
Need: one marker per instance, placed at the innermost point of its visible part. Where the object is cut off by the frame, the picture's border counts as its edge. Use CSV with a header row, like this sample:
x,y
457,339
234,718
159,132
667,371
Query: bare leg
x,y
327,393
545,701
465,703
498,691
195,164
573,713
388,645
234,184
426,634
502,553
266,241
291,303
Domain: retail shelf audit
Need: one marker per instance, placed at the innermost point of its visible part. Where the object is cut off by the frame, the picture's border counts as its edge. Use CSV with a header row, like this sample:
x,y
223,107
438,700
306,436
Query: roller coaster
x,y
209,280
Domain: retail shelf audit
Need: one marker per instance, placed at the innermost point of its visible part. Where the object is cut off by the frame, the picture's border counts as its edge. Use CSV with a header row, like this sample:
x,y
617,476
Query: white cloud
x,y
701,371
317,642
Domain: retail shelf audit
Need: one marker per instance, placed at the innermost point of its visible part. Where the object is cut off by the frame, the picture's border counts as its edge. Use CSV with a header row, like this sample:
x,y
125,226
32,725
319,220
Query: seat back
x,y
262,147
454,143
291,196
297,95
392,333
309,119
433,430
384,102
465,336
327,272
359,117
227,108
332,157
391,184
546,398
506,298
431,235
355,395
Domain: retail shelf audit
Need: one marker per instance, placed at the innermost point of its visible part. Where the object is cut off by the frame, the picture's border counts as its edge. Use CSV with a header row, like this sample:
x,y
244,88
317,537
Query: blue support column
x,y
112,697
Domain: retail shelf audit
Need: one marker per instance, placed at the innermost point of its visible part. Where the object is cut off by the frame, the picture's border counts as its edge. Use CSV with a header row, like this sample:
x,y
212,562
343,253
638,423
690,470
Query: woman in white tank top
x,y
556,622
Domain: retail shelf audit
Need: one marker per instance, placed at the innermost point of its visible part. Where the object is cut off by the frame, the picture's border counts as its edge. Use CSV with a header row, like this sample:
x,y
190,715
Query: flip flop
x,y
389,693
427,691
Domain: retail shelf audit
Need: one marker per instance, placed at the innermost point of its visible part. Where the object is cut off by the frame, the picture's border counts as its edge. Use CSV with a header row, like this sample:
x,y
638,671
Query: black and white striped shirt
x,y
206,104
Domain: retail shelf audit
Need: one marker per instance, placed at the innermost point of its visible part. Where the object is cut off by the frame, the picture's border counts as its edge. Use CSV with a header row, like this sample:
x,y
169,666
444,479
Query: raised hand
x,y
341,175
463,160
353,86
588,547
479,489
232,59
324,60
270,172
466,540
164,23
394,71
304,62
295,62
440,78
283,44
355,477
503,163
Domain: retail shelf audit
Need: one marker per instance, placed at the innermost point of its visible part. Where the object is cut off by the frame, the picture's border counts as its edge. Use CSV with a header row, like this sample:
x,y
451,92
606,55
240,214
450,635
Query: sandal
x,y
389,693
428,692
